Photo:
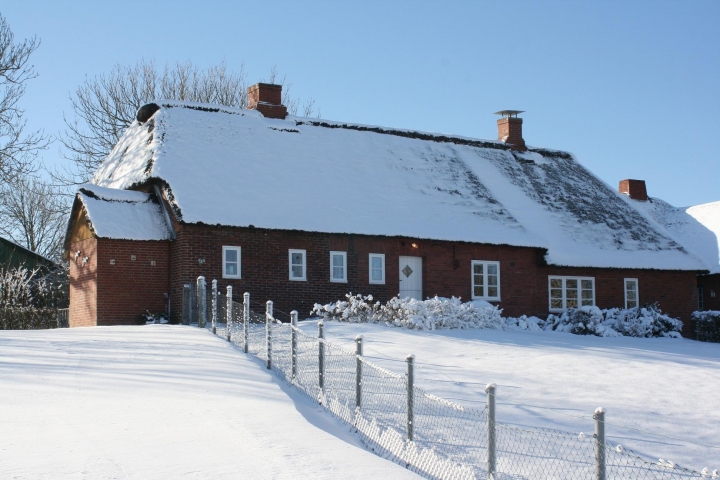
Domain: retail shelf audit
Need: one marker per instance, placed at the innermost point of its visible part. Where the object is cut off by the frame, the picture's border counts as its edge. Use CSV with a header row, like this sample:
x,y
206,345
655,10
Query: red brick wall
x,y
710,284
129,288
446,271
675,291
83,284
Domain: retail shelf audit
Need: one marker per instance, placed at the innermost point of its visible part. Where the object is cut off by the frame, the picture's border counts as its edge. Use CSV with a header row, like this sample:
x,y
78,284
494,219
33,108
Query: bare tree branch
x,y
34,215
104,106
17,150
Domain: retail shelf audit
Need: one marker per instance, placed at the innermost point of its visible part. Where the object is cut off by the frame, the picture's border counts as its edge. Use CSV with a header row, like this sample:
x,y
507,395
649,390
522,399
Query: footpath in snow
x,y
666,387
161,402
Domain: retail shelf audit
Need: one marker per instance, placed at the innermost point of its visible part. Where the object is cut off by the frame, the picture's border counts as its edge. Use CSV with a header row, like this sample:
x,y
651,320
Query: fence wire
x,y
448,440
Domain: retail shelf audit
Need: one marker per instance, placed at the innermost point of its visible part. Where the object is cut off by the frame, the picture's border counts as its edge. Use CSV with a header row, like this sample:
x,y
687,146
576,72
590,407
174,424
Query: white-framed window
x,y
231,262
632,295
297,264
485,280
571,292
377,268
338,267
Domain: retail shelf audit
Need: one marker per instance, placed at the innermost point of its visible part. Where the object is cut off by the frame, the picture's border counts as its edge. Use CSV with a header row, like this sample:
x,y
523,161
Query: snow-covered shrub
x,y
581,321
22,287
356,309
646,321
436,312
707,325
29,298
439,312
532,324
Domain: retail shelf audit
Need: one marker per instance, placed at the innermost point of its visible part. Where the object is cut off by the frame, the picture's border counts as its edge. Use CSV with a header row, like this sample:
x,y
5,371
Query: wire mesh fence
x,y
431,436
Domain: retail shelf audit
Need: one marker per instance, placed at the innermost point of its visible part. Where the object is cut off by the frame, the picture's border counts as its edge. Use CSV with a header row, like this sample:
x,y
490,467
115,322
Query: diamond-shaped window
x,y
407,270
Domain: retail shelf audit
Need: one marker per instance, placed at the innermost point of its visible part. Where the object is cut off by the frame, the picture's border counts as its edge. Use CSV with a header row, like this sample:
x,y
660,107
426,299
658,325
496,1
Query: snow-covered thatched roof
x,y
697,228
123,214
232,167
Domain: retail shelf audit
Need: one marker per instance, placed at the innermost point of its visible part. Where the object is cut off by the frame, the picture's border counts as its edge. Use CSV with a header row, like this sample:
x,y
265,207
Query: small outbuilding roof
x,y
226,166
121,214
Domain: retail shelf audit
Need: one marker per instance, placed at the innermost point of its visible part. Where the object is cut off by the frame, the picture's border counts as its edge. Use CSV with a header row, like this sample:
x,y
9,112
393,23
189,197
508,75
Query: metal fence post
x,y
293,343
229,312
492,445
358,371
186,309
599,418
214,306
268,331
202,302
410,359
321,355
246,320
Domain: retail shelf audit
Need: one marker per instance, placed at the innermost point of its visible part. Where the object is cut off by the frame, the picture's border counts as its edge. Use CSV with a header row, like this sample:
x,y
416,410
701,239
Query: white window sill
x,y
496,300
298,279
338,281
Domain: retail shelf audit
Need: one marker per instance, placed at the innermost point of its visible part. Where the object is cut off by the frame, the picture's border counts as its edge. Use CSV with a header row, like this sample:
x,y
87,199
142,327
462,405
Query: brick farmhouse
x,y
303,211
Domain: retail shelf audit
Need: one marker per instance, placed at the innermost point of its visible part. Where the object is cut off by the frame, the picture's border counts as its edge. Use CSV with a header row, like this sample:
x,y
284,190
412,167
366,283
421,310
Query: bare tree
x,y
17,149
34,215
291,103
106,105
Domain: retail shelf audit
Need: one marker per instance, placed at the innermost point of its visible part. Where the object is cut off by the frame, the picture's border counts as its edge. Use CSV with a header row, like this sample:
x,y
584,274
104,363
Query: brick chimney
x,y
635,189
510,129
266,98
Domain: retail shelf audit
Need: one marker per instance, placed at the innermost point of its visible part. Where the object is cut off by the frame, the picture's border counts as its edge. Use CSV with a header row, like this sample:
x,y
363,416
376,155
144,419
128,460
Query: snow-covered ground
x,y
662,386
176,402
161,402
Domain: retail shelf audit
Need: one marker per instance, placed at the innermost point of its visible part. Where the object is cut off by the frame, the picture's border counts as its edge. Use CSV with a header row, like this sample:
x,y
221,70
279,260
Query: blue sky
x,y
631,88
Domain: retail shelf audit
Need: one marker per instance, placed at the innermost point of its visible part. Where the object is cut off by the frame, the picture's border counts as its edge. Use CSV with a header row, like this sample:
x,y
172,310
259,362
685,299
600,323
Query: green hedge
x,y
707,325
27,318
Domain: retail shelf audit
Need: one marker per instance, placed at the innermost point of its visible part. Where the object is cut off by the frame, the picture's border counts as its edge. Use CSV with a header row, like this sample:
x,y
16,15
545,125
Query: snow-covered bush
x,y
646,321
439,312
581,321
427,314
356,309
524,322
22,287
707,325
29,298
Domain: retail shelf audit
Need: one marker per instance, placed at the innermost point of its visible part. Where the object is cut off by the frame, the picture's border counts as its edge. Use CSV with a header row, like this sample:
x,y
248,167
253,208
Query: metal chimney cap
x,y
509,113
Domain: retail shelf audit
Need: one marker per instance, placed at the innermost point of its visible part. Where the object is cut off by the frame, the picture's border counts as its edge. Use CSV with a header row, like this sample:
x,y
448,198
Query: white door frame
x,y
411,285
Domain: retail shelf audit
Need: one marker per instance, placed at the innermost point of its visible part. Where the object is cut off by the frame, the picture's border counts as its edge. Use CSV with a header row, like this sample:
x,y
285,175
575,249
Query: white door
x,y
411,277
